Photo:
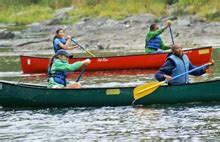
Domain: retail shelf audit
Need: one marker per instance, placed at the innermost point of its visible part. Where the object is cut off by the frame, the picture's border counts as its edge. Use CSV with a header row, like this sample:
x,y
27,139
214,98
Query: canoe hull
x,y
197,56
21,95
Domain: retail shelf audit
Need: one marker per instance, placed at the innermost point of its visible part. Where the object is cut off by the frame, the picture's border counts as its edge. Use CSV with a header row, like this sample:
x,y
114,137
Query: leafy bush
x,y
209,9
28,11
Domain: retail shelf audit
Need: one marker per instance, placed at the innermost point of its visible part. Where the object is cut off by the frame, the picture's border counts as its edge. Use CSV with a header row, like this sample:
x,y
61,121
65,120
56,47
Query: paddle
x,y
171,34
90,53
148,88
81,73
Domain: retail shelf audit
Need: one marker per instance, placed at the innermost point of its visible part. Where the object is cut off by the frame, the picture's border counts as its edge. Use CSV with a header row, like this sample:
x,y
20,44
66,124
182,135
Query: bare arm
x,y
67,45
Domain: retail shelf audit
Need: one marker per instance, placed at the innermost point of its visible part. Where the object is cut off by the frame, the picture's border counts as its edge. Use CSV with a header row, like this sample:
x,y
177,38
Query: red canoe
x,y
198,56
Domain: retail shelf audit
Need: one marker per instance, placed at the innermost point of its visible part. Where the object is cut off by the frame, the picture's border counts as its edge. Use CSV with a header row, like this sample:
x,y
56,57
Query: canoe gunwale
x,y
43,87
188,49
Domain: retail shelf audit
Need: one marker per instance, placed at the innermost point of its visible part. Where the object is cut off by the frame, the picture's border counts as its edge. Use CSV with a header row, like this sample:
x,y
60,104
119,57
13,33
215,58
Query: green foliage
x,y
118,9
25,15
54,4
209,9
28,11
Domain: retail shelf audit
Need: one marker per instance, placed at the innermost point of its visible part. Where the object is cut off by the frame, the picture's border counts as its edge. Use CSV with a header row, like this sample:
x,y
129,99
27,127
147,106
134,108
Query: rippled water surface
x,y
176,122
180,122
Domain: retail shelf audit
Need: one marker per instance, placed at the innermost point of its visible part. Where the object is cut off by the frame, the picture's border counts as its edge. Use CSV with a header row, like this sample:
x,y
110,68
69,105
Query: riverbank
x,y
103,33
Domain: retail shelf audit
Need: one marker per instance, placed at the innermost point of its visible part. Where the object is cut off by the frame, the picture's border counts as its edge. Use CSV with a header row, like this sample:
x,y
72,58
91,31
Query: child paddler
x,y
60,42
58,68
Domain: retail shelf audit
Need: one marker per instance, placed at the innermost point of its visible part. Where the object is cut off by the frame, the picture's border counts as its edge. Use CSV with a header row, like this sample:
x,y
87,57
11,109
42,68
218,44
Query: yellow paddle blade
x,y
146,89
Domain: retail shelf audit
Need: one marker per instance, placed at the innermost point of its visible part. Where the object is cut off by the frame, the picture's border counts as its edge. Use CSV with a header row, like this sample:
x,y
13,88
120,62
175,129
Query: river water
x,y
180,122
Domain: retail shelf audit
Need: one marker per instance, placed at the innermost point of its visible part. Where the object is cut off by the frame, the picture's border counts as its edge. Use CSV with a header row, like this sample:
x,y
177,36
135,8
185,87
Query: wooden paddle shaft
x,y
83,48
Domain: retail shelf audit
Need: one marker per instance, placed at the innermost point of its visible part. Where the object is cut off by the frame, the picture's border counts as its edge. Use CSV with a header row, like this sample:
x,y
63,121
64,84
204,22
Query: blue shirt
x,y
56,43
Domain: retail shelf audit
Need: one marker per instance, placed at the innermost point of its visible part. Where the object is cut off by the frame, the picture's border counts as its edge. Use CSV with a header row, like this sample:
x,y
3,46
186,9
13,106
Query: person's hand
x,y
73,85
76,46
167,77
170,46
211,63
68,37
168,23
86,62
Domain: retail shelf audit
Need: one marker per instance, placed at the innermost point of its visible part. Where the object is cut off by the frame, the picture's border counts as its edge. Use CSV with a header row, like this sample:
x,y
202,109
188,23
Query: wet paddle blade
x,y
146,89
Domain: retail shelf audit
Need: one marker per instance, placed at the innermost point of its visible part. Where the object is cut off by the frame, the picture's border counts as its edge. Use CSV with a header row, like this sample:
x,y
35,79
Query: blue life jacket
x,y
58,76
56,46
154,43
182,65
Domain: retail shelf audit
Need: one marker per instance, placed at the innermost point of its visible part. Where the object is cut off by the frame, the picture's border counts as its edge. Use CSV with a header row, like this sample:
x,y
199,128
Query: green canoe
x,y
26,95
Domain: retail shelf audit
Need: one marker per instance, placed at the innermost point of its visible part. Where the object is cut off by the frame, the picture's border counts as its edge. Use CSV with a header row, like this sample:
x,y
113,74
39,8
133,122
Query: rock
x,y
4,34
141,18
18,34
5,25
34,27
59,16
5,43
55,21
172,18
100,47
26,42
85,19
184,21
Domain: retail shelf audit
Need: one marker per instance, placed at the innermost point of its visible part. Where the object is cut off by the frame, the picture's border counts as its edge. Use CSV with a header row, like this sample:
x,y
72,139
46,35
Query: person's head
x,y
60,33
63,55
154,27
177,49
